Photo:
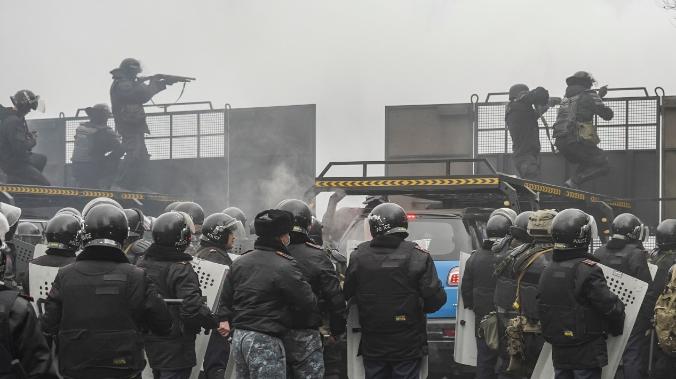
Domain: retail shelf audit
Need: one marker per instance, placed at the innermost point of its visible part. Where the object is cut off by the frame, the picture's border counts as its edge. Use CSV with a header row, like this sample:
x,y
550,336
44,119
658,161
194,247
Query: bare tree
x,y
669,4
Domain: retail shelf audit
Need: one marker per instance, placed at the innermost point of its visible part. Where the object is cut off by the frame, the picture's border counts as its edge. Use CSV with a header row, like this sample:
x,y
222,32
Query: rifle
x,y
168,78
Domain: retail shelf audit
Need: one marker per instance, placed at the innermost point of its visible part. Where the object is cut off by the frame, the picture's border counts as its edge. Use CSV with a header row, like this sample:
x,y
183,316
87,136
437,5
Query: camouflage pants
x,y
258,355
304,354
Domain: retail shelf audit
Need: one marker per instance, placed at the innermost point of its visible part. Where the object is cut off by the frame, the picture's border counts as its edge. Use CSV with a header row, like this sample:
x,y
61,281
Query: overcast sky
x,y
350,57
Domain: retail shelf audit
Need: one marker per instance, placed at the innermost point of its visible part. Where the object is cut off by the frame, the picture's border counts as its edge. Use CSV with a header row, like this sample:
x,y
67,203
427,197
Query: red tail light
x,y
453,277
411,217
448,332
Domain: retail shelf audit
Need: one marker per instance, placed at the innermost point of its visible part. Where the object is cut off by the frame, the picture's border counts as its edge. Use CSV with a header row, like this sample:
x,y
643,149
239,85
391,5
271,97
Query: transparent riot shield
x,y
40,282
464,349
631,291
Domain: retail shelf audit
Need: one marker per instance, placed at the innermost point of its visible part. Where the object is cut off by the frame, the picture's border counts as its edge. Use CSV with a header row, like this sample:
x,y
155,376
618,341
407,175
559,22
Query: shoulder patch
x,y
421,249
589,262
284,255
313,245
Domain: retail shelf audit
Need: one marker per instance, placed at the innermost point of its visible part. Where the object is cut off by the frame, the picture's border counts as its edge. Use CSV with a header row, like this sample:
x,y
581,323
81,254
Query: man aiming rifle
x,y
128,93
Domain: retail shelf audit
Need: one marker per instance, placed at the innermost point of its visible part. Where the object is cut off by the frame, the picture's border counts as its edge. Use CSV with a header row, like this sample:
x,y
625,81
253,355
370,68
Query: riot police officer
x,y
478,287
24,351
8,256
196,214
624,252
245,242
103,300
167,264
521,117
135,245
219,232
576,308
575,132
303,343
127,95
664,256
63,240
516,232
517,278
17,160
260,291
395,284
97,149
28,232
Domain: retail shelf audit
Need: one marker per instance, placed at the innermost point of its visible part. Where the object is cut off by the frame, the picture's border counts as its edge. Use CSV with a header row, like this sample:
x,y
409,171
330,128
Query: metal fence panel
x,y
634,126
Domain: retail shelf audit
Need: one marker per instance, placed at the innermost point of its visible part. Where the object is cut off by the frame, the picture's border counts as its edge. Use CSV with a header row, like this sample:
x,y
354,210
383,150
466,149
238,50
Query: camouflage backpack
x,y
665,316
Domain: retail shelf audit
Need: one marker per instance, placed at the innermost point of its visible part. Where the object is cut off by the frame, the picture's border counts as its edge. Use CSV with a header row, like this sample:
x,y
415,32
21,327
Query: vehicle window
x,y
443,238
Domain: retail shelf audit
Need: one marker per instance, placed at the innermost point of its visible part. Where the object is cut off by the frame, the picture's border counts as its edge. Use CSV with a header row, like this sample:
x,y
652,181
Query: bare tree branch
x,y
669,4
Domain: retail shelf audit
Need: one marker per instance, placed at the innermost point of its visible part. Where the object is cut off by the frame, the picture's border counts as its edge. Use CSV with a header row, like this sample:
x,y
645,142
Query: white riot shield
x,y
355,363
631,291
211,276
464,349
40,250
653,270
40,279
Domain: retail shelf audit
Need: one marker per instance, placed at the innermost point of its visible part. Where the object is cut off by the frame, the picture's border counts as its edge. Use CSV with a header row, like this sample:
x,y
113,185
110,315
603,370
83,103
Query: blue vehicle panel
x,y
449,309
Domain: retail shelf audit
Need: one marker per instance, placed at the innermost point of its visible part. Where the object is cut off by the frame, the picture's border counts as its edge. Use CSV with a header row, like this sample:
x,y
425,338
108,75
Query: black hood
x,y
167,254
574,90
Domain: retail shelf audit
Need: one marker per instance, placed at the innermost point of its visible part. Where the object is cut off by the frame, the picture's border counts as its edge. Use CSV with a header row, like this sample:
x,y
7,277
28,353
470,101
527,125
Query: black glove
x,y
603,91
616,319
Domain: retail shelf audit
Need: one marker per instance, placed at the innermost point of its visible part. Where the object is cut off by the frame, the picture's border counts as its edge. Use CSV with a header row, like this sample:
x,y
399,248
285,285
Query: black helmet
x,y
627,226
573,229
516,90
581,77
27,229
498,226
302,215
666,234
315,231
388,218
218,226
520,228
63,232
173,229
71,211
193,210
105,225
136,221
131,65
24,100
171,206
236,213
506,212
99,200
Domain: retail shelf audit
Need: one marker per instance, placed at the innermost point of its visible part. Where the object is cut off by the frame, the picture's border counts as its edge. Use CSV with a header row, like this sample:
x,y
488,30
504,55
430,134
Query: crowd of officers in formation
x,y
98,148
282,308
535,276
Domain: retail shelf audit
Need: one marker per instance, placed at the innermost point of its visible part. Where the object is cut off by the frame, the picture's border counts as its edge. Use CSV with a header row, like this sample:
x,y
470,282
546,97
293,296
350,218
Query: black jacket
x,y
263,290
589,311
94,141
52,258
213,253
317,270
175,278
16,141
522,120
21,337
127,96
394,283
102,300
629,258
478,282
